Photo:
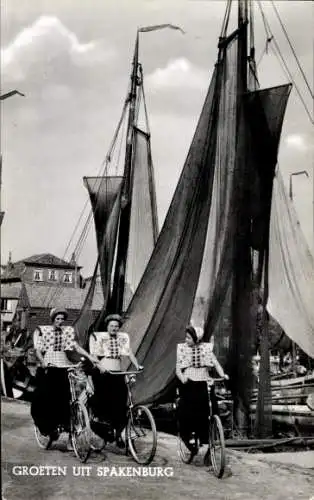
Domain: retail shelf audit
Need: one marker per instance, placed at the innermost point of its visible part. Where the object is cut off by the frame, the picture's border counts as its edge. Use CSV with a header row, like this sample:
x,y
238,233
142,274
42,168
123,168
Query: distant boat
x,y
290,403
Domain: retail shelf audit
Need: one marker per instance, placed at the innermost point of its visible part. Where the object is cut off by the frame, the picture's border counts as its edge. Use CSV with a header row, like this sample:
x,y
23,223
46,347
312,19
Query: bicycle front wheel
x,y
185,454
80,431
217,446
141,434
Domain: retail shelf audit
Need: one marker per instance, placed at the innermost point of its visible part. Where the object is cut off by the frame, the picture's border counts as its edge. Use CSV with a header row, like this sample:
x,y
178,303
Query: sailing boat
x,y
218,220
124,207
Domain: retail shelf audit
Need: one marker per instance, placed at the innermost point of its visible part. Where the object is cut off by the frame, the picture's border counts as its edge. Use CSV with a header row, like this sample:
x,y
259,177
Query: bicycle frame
x,y
133,412
214,424
130,378
72,376
79,420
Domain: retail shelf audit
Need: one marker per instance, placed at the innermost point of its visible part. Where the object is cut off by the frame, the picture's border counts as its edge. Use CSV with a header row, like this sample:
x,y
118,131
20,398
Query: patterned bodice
x,y
195,356
109,346
49,338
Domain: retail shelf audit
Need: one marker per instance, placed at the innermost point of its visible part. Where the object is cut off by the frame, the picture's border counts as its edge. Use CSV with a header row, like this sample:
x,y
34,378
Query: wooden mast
x,y
116,302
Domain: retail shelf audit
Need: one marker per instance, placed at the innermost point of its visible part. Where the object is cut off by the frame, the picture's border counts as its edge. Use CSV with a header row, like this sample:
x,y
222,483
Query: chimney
x,y
10,264
73,263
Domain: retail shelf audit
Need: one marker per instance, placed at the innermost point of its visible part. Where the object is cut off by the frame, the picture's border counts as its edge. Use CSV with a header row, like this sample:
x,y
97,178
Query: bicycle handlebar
x,y
68,367
73,367
135,372
221,379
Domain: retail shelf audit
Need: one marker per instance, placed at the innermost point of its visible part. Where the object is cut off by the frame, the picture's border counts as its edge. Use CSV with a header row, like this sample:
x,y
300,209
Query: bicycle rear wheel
x,y
217,446
43,441
80,431
141,434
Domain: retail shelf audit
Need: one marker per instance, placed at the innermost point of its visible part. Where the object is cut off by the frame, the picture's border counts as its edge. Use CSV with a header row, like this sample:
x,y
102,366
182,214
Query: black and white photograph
x,y
157,249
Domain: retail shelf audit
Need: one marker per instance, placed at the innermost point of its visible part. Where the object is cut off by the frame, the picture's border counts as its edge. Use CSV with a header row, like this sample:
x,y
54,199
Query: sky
x,y
72,60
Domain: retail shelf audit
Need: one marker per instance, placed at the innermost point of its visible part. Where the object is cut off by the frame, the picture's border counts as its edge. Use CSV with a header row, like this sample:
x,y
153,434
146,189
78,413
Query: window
x,y
67,278
6,305
38,275
52,275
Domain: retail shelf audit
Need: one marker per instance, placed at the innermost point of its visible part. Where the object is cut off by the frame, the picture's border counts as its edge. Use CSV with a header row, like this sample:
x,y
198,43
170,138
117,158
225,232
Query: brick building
x,y
32,286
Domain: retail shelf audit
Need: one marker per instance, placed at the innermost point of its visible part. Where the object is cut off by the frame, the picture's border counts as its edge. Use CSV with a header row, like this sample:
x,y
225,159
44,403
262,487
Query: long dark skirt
x,y
109,402
50,407
193,410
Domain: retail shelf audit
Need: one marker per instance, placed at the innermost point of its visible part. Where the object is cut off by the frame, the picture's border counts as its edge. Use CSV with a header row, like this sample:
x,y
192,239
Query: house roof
x,y
70,298
14,270
47,259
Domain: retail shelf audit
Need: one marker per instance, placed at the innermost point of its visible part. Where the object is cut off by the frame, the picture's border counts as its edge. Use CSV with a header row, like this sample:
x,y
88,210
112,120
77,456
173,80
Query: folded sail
x,y
143,223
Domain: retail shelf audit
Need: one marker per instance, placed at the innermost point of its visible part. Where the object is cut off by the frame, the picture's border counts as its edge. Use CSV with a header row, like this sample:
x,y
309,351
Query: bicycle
x,y
216,444
140,430
80,430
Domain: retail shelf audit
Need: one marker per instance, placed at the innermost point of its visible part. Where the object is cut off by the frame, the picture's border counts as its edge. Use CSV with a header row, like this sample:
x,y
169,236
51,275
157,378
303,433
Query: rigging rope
x,y
144,101
291,47
225,22
282,60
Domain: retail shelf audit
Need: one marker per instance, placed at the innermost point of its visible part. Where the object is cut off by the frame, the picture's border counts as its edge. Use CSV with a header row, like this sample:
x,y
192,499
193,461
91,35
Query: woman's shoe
x,y
54,436
207,458
193,450
119,442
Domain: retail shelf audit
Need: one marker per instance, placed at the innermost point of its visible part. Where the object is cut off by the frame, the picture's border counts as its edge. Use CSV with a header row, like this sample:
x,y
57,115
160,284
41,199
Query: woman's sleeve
x,y
125,344
179,357
38,340
92,345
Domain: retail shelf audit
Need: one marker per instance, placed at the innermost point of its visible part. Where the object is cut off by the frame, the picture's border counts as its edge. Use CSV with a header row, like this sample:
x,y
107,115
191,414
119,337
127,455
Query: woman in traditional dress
x,y
51,401
194,359
109,402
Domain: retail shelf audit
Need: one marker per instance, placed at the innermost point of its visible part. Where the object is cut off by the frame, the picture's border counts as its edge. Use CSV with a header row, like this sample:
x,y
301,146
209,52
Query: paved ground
x,y
304,459
250,477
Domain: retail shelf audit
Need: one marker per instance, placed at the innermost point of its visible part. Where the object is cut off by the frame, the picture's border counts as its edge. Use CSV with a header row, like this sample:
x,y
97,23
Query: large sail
x,y
291,271
163,302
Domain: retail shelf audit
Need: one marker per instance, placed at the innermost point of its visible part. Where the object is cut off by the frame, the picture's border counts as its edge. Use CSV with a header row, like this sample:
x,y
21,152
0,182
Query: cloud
x,y
44,41
177,74
298,142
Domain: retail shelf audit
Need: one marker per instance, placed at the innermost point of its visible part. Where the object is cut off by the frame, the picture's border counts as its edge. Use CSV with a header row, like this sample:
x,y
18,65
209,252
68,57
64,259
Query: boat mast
x,y
243,43
116,302
241,287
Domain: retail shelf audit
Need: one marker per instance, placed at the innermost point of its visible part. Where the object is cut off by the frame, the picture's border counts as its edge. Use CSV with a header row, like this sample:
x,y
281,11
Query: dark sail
x,y
163,301
105,195
266,109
